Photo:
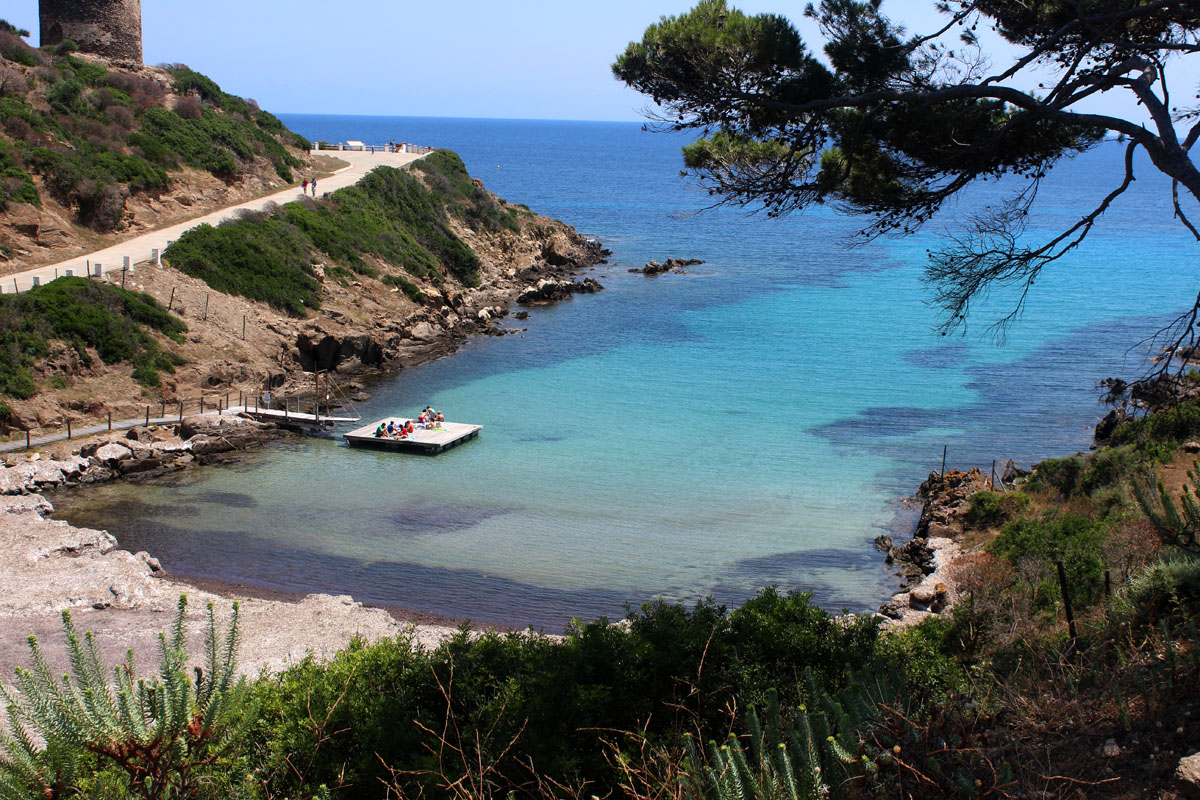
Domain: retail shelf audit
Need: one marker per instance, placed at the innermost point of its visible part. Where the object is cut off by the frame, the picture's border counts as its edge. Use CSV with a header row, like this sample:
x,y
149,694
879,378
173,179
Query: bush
x,y
266,260
992,508
1167,589
85,314
1061,474
1071,538
672,668
16,185
1161,433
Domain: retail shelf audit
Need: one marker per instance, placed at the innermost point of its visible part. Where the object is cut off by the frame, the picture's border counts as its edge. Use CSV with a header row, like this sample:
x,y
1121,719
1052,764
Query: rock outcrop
x,y
551,290
924,561
655,268
143,452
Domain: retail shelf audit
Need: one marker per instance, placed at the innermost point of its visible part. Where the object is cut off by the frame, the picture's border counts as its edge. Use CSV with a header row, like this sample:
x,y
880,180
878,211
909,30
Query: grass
x,y
389,217
88,316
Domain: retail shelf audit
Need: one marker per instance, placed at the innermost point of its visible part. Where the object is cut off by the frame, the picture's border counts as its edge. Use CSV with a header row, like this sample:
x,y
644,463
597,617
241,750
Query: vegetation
x,y
894,125
89,316
110,134
1000,697
123,735
390,217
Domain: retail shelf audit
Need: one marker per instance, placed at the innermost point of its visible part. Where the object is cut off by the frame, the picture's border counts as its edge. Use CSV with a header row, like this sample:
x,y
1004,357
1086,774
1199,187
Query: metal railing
x,y
390,147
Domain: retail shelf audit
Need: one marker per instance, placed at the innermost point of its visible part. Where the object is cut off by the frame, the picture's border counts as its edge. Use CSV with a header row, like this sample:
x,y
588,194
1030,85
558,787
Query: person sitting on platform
x,y
391,429
409,429
439,418
380,432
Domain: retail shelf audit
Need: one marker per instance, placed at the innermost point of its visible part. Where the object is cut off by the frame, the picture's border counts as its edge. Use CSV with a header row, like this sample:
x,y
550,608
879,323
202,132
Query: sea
x,y
755,420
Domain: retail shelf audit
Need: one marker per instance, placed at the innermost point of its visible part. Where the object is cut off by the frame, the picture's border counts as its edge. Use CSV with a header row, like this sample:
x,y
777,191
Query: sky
x,y
521,59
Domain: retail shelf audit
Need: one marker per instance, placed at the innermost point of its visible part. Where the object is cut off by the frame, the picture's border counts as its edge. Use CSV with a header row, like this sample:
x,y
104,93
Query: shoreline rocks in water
x,y
550,290
142,452
655,268
926,561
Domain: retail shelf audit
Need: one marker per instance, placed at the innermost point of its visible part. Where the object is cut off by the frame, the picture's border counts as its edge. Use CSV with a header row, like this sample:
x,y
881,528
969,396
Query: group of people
x,y
429,419
304,185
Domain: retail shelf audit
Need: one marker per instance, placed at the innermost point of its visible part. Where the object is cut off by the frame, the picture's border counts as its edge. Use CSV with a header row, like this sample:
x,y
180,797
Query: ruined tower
x,y
109,28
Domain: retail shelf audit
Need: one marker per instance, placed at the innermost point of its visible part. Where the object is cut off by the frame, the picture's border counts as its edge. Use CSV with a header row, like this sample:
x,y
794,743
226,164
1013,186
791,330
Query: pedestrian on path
x,y
314,187
304,187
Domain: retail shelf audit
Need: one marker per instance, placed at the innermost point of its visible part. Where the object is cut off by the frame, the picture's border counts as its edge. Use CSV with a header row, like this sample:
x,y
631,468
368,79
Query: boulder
x,y
11,483
1187,776
140,434
150,561
425,332
135,465
37,474
112,453
883,543
1106,426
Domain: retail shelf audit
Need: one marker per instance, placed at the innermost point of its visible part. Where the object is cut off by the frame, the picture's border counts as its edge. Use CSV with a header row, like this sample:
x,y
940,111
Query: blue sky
x,y
534,59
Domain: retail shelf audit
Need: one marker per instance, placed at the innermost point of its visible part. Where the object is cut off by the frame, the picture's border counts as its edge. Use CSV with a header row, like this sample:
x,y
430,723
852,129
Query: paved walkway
x,y
139,248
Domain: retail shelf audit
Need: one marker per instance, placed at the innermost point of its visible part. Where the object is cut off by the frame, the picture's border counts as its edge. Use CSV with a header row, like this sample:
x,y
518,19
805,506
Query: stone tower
x,y
109,28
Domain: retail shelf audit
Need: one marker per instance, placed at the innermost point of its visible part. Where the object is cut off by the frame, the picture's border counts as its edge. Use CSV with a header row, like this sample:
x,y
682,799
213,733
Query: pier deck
x,y
431,442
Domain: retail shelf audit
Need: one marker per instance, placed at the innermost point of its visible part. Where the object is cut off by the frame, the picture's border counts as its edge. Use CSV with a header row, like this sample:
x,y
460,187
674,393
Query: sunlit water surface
x,y
750,422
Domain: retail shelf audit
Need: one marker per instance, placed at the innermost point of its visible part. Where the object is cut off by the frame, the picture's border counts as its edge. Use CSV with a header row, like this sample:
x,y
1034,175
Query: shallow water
x,y
750,422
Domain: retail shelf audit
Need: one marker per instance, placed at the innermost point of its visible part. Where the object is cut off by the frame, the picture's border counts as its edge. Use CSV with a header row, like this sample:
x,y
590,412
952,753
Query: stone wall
x,y
109,28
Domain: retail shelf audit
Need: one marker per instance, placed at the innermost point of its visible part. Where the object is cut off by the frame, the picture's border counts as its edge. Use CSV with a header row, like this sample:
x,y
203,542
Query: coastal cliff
x,y
396,270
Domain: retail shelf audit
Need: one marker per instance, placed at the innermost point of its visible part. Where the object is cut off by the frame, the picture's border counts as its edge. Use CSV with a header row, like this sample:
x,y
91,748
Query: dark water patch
x,y
228,499
541,437
871,423
941,357
415,519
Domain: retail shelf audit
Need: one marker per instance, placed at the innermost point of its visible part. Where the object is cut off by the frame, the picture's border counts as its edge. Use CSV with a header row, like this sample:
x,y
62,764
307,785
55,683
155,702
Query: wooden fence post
x,y
68,427
172,300
943,461
147,416
206,307
1066,593
110,419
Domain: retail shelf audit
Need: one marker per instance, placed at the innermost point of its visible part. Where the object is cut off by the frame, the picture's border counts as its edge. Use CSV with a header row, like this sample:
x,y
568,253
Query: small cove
x,y
748,422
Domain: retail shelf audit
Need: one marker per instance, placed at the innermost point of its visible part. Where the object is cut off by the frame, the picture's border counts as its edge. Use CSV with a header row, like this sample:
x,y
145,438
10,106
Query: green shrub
x,y
1160,433
992,508
1165,589
408,287
16,185
267,260
6,413
17,51
85,314
672,667
1062,474
1073,539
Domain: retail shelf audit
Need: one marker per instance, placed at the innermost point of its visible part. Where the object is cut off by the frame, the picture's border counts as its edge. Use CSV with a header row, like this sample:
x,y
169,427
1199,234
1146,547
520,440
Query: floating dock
x,y
430,441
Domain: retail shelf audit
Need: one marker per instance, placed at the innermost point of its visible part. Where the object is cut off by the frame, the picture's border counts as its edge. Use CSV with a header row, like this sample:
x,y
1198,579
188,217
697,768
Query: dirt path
x,y
139,248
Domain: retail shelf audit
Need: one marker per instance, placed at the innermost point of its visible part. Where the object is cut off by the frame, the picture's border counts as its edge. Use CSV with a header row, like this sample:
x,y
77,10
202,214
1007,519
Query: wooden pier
x,y
422,440
287,418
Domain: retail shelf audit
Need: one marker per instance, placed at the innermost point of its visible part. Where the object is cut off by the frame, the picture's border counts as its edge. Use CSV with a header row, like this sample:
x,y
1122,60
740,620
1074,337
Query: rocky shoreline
x,y
926,562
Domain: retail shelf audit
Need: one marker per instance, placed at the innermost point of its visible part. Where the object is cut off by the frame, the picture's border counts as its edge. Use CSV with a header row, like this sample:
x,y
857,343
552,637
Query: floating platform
x,y
430,441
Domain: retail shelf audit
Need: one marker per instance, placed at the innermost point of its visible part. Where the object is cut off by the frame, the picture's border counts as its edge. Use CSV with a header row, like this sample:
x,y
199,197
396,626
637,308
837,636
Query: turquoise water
x,y
750,422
